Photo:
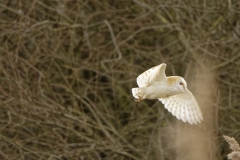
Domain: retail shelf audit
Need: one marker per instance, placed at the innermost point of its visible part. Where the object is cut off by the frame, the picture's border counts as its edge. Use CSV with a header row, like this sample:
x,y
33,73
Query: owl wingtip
x,y
164,65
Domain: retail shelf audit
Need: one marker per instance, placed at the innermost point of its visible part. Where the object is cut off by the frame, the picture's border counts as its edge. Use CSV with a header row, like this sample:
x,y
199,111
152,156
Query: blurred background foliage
x,y
67,68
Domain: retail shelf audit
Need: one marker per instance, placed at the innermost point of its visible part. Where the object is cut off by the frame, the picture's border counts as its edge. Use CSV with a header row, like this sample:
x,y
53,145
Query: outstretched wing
x,y
184,106
151,75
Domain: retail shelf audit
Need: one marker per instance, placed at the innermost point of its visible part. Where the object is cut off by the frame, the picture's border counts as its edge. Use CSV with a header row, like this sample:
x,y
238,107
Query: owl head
x,y
176,84
181,84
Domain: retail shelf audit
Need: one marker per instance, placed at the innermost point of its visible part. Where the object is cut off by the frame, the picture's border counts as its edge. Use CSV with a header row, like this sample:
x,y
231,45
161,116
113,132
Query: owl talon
x,y
138,99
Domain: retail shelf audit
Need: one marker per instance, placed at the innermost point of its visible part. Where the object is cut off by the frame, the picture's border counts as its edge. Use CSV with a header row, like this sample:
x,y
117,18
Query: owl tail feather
x,y
136,93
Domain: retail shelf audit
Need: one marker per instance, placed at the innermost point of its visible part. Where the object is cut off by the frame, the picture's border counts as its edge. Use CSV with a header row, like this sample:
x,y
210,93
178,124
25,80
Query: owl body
x,y
159,89
151,92
172,91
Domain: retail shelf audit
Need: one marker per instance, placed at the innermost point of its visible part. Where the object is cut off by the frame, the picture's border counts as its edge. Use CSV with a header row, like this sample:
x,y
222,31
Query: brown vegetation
x,y
199,142
67,68
233,144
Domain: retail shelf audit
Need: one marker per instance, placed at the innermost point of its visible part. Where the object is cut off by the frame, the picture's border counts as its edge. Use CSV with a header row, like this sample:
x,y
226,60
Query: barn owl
x,y
171,91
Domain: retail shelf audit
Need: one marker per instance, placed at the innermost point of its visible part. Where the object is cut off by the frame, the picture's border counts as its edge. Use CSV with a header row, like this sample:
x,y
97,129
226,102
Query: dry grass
x,y
233,144
199,142
67,68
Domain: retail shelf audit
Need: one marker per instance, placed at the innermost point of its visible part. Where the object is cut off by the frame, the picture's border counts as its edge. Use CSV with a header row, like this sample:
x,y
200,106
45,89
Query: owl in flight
x,y
171,91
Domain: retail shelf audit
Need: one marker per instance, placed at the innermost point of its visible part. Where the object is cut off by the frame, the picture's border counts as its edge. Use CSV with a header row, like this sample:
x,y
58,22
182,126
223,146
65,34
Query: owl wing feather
x,y
184,106
151,75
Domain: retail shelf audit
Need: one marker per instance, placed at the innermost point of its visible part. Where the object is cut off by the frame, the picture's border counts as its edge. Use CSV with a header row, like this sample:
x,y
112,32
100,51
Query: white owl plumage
x,y
171,91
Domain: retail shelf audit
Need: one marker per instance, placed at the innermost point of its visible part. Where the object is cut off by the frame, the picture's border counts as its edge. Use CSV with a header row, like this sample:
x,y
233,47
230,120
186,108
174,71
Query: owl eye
x,y
182,84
